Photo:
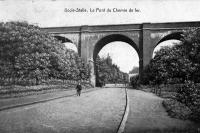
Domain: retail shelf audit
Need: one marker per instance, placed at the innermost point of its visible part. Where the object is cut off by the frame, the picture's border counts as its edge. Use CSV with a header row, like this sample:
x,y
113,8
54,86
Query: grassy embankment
x,y
9,91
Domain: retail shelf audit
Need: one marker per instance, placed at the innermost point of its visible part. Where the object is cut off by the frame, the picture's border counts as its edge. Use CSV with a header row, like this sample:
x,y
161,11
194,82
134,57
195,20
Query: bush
x,y
100,82
195,116
177,109
189,94
134,80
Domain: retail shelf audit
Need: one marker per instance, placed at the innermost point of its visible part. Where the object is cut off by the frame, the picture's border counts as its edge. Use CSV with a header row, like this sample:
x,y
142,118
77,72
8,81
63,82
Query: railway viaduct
x,y
144,37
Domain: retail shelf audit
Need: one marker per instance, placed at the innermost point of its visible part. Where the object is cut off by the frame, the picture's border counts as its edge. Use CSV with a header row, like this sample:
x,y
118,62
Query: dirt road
x,y
148,115
97,111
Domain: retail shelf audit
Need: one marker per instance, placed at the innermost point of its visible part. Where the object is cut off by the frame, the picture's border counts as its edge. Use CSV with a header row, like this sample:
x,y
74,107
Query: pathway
x,y
148,115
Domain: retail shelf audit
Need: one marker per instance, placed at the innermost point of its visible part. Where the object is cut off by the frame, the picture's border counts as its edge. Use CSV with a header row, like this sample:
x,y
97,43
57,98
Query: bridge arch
x,y
108,39
172,36
68,43
63,39
112,38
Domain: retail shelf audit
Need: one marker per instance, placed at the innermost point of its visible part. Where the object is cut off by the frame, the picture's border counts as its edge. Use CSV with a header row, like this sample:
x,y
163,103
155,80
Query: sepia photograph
x,y
99,66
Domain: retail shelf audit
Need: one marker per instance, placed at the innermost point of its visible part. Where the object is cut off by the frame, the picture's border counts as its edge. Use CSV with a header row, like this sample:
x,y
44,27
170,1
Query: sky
x,y
122,54
49,13
57,13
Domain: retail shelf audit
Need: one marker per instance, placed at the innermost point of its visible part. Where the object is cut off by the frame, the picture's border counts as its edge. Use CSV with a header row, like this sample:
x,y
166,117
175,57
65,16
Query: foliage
x,y
192,52
134,81
188,93
30,55
134,70
176,64
107,72
169,66
177,109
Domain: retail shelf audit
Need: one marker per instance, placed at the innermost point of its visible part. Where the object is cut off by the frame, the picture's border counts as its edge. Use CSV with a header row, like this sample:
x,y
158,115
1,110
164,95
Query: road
x,y
97,111
148,115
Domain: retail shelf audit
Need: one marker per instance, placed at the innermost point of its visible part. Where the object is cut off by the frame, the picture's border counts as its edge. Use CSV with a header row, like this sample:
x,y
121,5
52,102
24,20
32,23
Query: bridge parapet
x,y
122,27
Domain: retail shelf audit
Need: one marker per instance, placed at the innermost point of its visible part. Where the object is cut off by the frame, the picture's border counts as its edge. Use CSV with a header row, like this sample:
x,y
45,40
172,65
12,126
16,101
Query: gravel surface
x,y
148,115
9,102
98,111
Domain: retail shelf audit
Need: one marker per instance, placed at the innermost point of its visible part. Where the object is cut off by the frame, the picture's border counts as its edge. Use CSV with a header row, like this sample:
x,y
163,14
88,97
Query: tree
x,y
26,49
107,72
176,64
134,70
29,54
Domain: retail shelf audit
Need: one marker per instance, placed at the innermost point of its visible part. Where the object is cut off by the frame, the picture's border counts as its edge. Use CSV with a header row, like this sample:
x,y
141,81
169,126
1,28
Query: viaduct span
x,y
144,37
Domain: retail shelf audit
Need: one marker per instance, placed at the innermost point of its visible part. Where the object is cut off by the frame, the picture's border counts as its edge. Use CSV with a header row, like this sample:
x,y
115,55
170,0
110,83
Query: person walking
x,y
78,89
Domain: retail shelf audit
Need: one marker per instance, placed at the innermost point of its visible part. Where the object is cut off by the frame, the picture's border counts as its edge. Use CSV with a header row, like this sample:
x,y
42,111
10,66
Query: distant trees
x,y
134,79
107,72
30,55
134,70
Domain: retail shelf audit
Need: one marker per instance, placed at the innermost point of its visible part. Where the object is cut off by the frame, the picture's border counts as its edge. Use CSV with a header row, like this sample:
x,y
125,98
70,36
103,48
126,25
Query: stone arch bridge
x,y
89,40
